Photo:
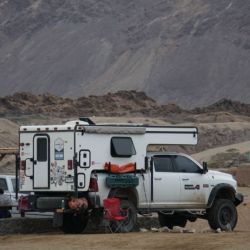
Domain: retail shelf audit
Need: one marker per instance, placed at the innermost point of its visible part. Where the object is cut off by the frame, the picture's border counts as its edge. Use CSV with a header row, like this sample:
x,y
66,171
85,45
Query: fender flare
x,y
217,189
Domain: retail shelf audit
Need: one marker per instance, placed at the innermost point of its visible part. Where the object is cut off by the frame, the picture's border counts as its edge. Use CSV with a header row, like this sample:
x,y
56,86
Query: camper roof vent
x,y
86,119
81,121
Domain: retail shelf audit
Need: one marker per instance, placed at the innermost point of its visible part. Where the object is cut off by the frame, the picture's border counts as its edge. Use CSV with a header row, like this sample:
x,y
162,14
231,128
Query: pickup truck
x,y
8,185
5,205
7,195
179,189
87,161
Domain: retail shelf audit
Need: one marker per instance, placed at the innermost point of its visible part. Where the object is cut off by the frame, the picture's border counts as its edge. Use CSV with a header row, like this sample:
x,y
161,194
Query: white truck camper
x,y
85,161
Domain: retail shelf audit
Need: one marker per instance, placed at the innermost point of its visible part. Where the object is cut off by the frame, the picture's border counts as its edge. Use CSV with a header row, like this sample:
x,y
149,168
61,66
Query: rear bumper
x,y
239,198
51,203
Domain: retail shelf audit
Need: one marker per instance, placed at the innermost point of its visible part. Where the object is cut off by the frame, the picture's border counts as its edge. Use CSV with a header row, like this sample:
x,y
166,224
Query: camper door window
x,y
42,149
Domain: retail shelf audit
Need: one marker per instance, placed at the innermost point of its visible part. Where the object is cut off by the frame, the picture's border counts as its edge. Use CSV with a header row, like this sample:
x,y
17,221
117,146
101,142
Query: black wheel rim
x,y
117,226
129,216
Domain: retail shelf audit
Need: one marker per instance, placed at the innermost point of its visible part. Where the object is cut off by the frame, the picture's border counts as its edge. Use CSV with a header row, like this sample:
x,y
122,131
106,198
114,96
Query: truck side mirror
x,y
205,169
151,164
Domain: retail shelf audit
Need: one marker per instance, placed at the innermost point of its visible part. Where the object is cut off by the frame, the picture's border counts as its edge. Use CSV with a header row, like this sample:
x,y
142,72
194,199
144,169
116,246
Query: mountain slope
x,y
190,52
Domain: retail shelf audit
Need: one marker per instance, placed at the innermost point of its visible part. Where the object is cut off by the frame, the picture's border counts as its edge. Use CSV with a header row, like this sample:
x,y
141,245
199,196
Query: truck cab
x,y
179,181
184,190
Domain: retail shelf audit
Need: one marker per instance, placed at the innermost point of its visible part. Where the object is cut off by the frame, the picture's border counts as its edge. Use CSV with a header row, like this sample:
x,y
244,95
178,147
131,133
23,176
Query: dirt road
x,y
236,240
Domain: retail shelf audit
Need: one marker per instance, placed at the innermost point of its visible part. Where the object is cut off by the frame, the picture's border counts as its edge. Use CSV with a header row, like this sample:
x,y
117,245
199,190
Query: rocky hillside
x,y
223,123
191,52
122,103
225,105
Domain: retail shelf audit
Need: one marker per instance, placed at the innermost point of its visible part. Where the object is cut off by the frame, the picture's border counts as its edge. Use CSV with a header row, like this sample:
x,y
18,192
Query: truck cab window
x,y
13,181
185,165
163,163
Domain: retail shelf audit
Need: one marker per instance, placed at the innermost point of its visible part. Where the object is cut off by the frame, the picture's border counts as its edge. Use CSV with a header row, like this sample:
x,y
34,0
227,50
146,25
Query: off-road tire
x,y
223,215
74,223
22,213
171,220
129,223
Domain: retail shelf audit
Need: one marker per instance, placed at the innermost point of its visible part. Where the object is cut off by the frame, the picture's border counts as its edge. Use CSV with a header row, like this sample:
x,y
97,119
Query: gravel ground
x,y
38,233
18,225
45,225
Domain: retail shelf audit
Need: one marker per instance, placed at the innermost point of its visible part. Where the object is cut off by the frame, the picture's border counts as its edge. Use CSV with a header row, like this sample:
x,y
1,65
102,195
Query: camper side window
x,y
122,147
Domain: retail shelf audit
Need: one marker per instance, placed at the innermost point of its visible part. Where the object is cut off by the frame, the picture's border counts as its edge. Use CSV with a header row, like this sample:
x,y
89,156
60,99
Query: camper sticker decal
x,y
59,149
57,174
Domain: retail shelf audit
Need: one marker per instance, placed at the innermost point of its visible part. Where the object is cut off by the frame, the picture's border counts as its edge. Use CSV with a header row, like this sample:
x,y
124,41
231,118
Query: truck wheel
x,y
9,214
96,216
22,213
223,215
129,223
5,214
74,223
171,220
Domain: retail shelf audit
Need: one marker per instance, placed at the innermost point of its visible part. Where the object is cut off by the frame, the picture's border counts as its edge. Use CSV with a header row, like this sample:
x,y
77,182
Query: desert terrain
x,y
97,59
201,238
146,241
223,126
224,142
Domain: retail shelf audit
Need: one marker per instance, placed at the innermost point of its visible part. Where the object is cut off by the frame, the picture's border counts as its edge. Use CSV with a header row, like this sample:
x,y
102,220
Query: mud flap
x,y
238,199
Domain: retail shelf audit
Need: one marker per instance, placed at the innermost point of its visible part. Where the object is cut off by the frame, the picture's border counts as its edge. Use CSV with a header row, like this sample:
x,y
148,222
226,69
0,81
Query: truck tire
x,y
223,215
8,214
171,220
129,223
22,213
5,213
74,223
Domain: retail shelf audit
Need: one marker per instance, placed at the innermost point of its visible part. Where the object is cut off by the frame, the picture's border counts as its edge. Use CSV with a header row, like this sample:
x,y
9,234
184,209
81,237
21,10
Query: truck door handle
x,y
157,179
185,179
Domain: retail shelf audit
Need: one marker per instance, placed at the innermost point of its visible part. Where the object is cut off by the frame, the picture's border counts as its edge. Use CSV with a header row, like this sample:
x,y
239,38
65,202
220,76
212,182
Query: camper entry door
x,y
41,162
